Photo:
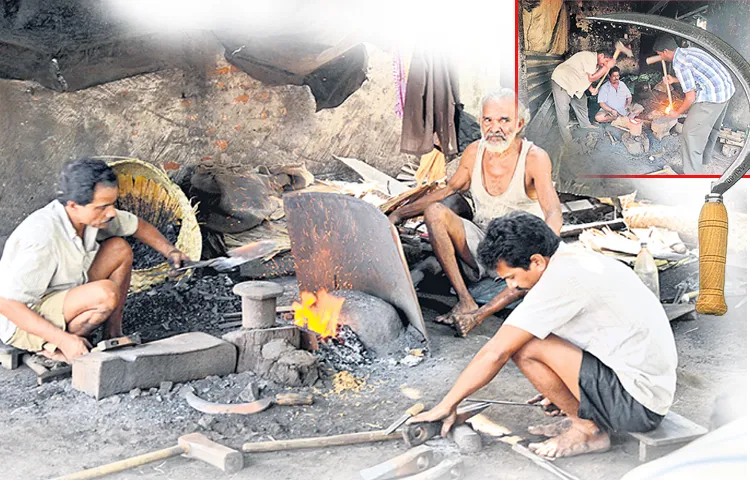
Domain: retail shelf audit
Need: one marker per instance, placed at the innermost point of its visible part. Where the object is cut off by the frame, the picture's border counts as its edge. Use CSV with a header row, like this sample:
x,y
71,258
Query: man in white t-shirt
x,y
590,336
65,270
570,80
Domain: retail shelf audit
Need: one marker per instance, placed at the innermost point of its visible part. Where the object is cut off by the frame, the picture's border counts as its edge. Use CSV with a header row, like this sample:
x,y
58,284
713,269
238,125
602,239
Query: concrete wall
x,y
206,111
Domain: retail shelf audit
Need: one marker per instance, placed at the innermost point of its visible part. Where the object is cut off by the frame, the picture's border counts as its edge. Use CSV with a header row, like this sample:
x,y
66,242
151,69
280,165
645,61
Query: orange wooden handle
x,y
713,229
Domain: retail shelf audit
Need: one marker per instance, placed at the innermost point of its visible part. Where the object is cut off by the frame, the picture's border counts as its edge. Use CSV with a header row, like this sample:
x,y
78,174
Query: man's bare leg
x,y
114,262
552,365
448,239
85,308
465,322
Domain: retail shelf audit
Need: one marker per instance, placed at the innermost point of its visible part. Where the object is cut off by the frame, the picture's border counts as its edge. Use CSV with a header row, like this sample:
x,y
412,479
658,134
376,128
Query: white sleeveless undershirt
x,y
486,206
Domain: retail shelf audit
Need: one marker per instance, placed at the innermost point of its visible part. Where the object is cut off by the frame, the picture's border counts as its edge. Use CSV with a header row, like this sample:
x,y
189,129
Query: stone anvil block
x,y
181,358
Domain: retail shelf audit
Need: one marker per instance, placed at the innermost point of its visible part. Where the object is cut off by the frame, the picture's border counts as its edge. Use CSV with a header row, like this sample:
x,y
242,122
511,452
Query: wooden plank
x,y
673,429
573,230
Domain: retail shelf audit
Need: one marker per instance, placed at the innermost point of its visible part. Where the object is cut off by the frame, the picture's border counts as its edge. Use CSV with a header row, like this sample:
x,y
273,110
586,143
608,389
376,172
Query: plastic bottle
x,y
645,268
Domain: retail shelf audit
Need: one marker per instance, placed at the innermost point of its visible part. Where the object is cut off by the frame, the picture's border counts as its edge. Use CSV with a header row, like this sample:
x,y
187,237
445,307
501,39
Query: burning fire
x,y
318,313
668,109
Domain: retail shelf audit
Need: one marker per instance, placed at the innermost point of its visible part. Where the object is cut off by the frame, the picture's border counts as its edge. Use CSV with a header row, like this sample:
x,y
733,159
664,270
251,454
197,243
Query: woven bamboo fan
x,y
147,191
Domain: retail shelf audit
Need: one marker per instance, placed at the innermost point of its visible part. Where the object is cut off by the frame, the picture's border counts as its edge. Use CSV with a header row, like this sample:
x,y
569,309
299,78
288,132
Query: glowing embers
x,y
319,314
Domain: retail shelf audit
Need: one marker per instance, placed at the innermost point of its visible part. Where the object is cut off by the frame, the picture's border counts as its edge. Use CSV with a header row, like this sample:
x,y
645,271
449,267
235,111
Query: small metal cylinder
x,y
258,303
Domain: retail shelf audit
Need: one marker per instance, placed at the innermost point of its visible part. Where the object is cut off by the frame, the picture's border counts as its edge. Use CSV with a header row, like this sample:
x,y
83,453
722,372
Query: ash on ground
x,y
145,256
194,304
345,352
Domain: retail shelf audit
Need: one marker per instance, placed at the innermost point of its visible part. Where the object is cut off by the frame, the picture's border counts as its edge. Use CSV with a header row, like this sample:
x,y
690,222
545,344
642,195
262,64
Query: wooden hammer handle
x,y
115,467
713,229
601,80
669,88
317,442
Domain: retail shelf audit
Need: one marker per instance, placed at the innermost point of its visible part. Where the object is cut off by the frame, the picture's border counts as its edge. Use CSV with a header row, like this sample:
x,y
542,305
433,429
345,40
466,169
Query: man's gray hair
x,y
501,93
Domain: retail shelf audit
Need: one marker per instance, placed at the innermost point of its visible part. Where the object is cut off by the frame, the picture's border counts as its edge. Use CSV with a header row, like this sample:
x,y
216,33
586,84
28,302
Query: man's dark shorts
x,y
605,402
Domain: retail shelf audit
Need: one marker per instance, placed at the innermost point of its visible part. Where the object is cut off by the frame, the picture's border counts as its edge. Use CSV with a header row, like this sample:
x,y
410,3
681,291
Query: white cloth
x,y
601,306
488,207
44,254
572,76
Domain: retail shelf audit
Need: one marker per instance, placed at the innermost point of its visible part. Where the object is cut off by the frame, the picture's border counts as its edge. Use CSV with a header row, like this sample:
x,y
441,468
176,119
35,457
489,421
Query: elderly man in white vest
x,y
504,172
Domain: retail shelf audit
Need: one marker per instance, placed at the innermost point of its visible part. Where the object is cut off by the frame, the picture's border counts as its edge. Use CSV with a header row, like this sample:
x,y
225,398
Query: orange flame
x,y
668,109
319,314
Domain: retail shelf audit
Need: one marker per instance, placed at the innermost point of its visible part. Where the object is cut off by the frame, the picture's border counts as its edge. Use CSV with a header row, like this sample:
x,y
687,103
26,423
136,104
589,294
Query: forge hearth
x,y
266,348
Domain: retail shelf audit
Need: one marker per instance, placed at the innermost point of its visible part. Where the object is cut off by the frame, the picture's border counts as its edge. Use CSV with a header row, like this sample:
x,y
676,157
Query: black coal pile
x,y
344,352
145,256
195,304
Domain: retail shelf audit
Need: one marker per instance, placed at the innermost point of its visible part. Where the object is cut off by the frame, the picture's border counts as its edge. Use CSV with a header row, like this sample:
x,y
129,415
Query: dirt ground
x,y
53,430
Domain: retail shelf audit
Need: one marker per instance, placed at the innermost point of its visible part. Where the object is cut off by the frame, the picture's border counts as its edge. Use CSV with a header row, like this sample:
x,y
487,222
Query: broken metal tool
x,y
415,460
505,402
236,257
118,342
412,411
418,433
247,408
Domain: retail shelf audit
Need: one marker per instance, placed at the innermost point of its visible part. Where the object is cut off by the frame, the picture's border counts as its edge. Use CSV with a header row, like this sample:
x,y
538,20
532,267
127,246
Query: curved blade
x,y
238,408
727,55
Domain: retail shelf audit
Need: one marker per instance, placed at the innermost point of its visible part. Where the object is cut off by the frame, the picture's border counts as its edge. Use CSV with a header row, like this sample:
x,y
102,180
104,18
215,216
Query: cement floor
x,y
53,430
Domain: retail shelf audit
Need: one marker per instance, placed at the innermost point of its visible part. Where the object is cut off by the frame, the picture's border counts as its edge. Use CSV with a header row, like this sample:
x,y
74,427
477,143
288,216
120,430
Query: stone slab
x,y
177,359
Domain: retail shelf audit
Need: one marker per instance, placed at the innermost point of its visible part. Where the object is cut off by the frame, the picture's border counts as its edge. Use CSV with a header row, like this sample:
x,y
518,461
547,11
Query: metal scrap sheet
x,y
340,242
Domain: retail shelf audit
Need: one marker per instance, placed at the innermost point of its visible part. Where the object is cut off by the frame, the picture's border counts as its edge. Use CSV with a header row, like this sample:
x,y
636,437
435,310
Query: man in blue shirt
x,y
708,87
615,99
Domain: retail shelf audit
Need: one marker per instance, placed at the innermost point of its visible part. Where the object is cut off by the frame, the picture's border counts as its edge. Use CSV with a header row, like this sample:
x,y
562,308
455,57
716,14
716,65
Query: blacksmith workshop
x,y
374,240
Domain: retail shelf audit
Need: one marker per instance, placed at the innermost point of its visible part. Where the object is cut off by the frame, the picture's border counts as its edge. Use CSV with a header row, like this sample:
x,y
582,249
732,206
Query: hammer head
x,y
197,445
621,48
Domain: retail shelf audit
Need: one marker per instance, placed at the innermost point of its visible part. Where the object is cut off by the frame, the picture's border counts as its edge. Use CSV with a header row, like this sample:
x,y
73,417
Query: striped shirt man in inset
x,y
708,86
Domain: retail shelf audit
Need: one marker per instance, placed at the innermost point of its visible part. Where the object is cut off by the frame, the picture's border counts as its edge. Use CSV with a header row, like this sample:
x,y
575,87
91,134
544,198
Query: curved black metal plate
x,y
735,62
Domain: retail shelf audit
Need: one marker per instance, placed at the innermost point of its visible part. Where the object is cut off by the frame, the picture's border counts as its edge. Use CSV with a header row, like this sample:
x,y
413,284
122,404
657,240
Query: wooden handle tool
x,y
194,445
669,88
318,442
713,229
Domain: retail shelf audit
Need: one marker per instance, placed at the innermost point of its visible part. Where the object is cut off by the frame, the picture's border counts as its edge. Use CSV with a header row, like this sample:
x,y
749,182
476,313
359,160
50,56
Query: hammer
x,y
657,58
194,445
619,48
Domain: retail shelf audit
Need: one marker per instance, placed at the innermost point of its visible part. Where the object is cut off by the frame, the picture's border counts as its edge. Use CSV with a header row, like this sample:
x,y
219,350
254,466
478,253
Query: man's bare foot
x,y
583,437
551,429
465,322
57,355
459,308
550,409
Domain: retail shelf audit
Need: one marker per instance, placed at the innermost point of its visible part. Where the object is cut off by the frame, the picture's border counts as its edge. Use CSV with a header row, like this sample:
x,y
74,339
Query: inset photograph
x,y
633,88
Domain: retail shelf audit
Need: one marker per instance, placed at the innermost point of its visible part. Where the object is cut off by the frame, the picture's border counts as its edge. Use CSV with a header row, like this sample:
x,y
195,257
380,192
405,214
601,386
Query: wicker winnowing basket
x,y
148,192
